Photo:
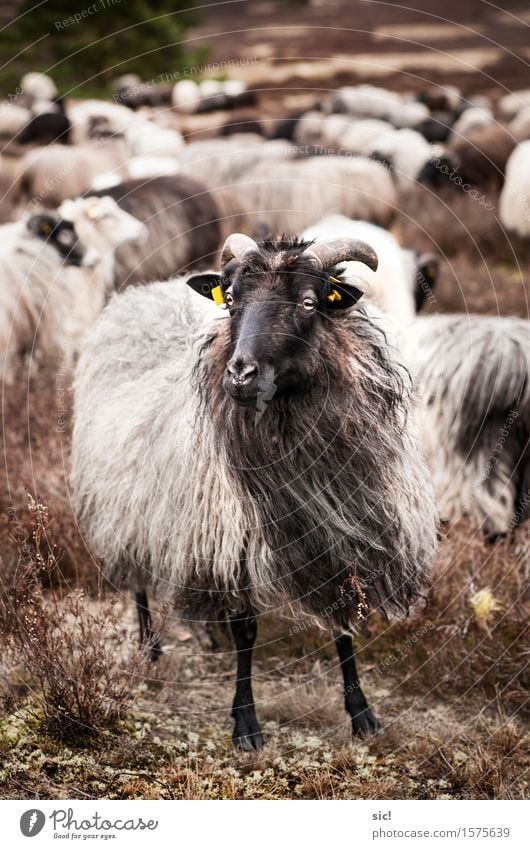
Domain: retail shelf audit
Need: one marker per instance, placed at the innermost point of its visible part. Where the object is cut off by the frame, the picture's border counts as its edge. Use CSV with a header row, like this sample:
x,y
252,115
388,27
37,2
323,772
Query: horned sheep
x,y
256,459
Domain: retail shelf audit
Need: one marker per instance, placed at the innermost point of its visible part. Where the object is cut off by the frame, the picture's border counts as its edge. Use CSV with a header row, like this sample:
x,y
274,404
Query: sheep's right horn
x,y
236,246
330,252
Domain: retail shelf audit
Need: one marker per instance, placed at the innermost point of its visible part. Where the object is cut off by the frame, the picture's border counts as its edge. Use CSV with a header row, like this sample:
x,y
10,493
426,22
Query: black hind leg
x,y
148,638
247,732
363,721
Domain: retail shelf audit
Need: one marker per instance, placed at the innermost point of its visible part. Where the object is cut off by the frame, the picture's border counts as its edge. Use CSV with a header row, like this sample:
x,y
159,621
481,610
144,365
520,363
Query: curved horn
x,y
329,252
236,246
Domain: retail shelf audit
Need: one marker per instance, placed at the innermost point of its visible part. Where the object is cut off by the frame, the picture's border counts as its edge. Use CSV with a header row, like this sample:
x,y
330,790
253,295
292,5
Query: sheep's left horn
x,y
329,252
236,246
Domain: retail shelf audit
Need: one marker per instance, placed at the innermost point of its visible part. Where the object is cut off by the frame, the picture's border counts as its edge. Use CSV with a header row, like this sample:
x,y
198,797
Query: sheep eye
x,y
309,304
229,301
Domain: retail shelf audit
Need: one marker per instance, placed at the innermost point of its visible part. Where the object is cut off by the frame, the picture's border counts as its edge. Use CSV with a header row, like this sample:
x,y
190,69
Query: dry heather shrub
x,y
468,647
74,656
36,422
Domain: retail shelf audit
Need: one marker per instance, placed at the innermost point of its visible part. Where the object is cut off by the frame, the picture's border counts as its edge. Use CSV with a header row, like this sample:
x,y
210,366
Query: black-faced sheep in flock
x,y
56,270
184,228
257,457
478,159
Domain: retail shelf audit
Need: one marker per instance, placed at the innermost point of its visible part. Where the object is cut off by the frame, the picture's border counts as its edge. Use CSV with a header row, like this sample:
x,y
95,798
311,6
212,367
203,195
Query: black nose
x,y
242,370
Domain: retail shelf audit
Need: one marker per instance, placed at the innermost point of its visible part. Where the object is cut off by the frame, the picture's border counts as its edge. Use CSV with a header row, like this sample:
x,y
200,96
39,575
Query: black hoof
x,y
364,724
247,736
155,651
493,539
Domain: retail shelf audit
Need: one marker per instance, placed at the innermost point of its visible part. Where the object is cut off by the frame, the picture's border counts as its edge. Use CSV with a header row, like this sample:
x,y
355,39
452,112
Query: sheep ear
x,y
208,285
342,295
427,266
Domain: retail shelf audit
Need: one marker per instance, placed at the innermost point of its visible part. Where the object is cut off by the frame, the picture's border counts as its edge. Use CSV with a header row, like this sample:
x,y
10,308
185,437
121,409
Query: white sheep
x,y
402,279
471,119
95,118
510,104
13,118
514,203
186,96
47,302
36,86
144,138
520,125
49,175
288,195
405,151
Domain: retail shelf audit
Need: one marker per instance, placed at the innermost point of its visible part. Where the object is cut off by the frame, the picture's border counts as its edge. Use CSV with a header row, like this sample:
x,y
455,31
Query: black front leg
x,y
148,637
363,721
247,734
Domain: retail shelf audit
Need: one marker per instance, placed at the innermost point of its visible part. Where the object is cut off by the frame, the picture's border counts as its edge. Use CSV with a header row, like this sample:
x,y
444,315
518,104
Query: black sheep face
x,y
59,234
279,303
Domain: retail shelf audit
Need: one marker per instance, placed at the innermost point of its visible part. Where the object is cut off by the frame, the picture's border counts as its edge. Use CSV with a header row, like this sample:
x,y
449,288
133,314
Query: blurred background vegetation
x,y
112,37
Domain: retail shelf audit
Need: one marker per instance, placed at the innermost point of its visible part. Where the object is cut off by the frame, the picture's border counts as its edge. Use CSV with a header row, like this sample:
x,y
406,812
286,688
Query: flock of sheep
x,y
286,433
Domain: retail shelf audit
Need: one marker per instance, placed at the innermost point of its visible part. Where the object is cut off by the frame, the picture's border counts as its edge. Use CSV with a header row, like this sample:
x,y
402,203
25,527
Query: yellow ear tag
x,y
334,296
217,295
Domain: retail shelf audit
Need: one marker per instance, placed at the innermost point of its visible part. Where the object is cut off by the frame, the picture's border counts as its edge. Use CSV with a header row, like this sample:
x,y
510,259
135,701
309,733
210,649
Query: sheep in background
x,y
45,128
472,373
472,119
36,86
367,101
309,126
35,293
9,197
339,132
362,101
220,162
404,151
258,508
47,176
290,195
135,94
520,126
143,138
358,136
230,94
94,119
242,124
441,98
403,278
514,203
286,128
47,302
511,104
185,96
183,222
478,160
13,119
